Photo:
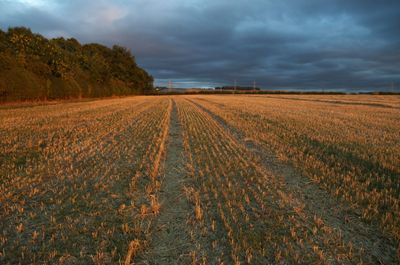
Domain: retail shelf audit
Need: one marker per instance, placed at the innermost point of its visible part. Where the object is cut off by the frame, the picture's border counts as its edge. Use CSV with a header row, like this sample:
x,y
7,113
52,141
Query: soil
x,y
171,243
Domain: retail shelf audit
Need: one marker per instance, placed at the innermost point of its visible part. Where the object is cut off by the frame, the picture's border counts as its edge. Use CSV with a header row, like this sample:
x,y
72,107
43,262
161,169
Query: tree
x,y
33,67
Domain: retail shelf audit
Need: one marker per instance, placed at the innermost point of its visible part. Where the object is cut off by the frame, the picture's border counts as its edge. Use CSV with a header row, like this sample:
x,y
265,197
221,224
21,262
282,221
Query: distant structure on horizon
x,y
237,88
161,88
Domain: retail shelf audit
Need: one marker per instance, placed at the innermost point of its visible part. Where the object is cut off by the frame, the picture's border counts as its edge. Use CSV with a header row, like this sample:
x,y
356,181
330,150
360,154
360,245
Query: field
x,y
212,179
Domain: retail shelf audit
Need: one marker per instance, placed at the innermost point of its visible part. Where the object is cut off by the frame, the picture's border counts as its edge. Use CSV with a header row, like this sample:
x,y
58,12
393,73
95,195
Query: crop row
x,y
353,151
78,184
243,210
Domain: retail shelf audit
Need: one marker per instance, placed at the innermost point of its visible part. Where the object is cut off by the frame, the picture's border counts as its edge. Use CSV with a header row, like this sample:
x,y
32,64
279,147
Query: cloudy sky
x,y
280,44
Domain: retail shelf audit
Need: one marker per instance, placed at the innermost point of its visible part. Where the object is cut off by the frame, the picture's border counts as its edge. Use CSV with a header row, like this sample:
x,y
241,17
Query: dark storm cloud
x,y
280,44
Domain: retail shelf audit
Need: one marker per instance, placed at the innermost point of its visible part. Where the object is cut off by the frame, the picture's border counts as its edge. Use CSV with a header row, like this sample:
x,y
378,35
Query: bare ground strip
x,y
171,243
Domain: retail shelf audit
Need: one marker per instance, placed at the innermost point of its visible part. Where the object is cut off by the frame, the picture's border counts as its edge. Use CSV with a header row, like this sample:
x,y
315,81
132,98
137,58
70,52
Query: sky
x,y
279,44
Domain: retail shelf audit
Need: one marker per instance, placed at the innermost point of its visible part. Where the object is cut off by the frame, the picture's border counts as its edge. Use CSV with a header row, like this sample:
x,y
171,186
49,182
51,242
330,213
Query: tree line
x,y
33,67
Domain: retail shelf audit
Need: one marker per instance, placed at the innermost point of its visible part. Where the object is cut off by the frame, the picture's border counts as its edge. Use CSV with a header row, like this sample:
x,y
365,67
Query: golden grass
x,y
74,177
264,225
133,247
347,144
80,182
258,214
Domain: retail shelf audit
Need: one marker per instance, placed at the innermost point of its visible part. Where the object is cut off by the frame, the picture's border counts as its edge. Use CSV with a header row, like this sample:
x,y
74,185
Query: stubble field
x,y
235,179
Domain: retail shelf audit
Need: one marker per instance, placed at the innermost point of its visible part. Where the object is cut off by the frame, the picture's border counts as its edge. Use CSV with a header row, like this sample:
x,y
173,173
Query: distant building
x,y
238,88
161,88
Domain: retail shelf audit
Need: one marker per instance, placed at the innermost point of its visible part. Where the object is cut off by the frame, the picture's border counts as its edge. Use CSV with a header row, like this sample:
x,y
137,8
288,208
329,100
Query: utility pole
x,y
234,88
169,85
254,85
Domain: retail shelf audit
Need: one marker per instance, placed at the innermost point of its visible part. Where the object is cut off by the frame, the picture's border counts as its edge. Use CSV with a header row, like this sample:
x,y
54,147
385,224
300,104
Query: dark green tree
x,y
35,68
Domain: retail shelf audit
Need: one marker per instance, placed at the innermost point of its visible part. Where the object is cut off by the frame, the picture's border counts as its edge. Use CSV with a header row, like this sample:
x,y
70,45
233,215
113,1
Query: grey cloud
x,y
281,44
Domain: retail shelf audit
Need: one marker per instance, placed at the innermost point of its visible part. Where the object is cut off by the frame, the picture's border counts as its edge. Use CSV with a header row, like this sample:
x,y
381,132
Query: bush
x,y
34,68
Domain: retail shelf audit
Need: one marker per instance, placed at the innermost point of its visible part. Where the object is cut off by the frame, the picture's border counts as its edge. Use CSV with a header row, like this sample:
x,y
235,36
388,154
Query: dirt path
x,y
171,243
378,248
